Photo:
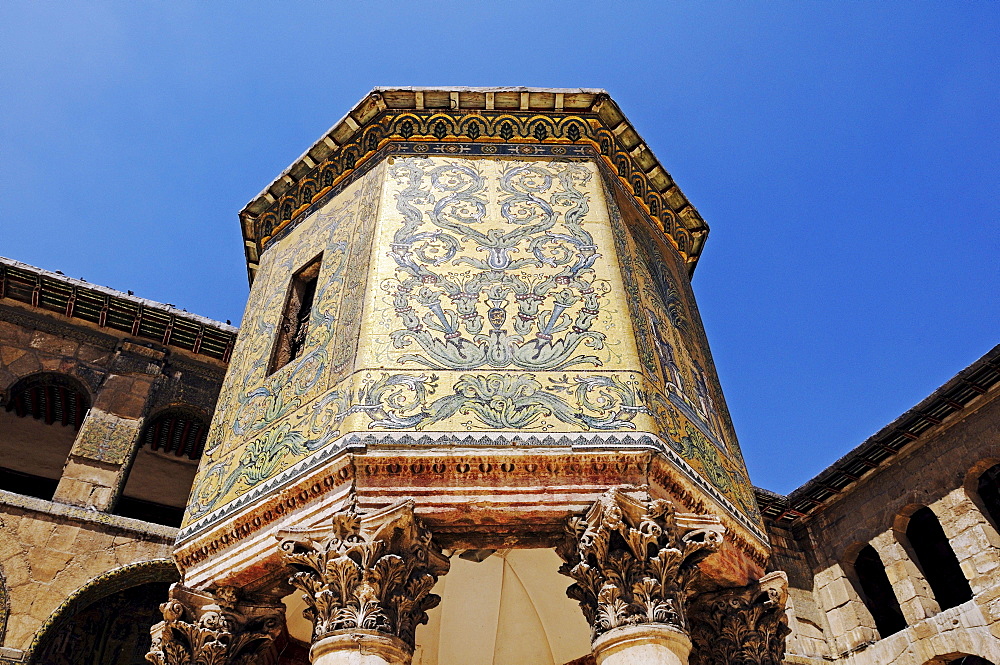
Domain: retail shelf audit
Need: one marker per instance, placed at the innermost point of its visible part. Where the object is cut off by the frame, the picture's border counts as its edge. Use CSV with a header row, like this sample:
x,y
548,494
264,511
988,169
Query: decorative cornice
x,y
474,458
505,119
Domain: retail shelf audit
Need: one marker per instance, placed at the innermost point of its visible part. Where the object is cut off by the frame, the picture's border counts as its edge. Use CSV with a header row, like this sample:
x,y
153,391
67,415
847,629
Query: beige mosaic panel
x,y
256,431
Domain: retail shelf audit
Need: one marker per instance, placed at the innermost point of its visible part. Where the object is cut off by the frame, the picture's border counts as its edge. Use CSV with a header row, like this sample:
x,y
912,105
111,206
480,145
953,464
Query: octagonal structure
x,y
480,300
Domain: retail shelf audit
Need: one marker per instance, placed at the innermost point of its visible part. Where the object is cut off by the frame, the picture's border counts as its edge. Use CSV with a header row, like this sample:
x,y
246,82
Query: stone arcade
x,y
471,417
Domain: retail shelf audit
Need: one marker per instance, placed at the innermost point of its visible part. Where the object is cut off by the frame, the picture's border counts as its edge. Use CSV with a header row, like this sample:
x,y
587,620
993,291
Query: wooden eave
x,y
106,308
590,102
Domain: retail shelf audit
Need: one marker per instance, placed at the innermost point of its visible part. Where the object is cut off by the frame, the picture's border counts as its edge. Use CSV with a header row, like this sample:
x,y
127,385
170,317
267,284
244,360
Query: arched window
x,y
969,660
936,559
876,592
106,622
160,478
38,424
988,489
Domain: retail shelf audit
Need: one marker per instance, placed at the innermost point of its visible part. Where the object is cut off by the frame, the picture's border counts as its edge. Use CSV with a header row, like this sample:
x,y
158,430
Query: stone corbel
x,y
741,626
366,579
634,560
213,628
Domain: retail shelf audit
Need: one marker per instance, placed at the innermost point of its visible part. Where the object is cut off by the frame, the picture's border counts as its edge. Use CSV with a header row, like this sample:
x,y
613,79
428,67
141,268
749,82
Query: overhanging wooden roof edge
x,y
823,487
383,98
222,335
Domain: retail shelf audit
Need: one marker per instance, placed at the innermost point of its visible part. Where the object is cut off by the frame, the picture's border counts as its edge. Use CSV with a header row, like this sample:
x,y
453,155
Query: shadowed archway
x,y
106,621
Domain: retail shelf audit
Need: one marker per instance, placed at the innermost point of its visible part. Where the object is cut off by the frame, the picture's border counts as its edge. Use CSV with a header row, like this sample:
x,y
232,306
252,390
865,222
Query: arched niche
x,y
106,621
164,466
983,485
39,420
873,586
936,559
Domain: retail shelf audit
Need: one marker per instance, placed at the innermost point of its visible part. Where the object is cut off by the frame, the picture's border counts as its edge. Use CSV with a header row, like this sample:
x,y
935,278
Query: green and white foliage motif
x,y
531,296
500,401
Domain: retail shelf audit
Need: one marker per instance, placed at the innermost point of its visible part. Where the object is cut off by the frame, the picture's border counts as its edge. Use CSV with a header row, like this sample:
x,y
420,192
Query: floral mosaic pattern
x,y
514,289
106,438
264,423
465,294
683,397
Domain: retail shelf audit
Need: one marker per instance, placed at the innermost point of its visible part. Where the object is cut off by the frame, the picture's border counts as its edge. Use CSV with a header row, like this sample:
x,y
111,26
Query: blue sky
x,y
846,156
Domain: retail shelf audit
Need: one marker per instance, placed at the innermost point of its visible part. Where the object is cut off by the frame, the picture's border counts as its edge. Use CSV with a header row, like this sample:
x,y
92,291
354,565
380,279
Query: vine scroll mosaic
x,y
463,294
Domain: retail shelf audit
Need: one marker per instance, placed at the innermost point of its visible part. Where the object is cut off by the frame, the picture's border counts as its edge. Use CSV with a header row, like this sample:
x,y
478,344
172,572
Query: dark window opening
x,y
294,326
176,432
112,630
50,398
969,660
989,493
38,425
27,484
877,593
937,560
148,511
164,467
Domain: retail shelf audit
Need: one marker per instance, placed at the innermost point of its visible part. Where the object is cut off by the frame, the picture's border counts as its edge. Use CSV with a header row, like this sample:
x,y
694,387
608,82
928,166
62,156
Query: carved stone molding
x,y
742,626
366,573
634,559
220,628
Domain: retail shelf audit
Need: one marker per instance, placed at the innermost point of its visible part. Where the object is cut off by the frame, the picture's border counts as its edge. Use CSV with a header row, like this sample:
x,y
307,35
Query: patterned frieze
x,y
523,490
531,118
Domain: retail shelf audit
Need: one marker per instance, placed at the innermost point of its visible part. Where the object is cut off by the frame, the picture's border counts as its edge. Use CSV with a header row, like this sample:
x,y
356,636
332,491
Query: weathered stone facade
x,y
75,396
471,418
940,469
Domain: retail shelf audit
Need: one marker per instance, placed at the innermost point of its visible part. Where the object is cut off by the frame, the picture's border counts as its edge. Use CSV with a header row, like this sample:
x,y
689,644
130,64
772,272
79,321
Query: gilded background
x,y
502,294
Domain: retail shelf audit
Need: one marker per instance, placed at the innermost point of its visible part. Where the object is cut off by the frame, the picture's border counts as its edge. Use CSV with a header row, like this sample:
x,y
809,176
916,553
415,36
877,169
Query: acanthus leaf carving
x,y
742,626
371,572
634,560
212,628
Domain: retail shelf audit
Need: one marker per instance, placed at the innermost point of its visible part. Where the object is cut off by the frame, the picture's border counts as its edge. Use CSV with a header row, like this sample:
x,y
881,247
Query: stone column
x,y
214,628
366,580
99,461
741,626
914,594
634,560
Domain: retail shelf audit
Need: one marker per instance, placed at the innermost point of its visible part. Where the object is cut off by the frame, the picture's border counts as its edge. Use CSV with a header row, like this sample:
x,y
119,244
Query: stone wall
x,y
49,552
59,557
939,470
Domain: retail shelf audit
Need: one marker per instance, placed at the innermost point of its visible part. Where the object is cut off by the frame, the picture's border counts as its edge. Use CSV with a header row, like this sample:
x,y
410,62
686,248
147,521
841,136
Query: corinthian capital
x,y
213,628
634,559
742,626
370,572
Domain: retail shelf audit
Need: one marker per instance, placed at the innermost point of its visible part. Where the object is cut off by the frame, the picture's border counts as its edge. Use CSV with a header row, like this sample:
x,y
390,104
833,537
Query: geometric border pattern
x,y
575,441
310,181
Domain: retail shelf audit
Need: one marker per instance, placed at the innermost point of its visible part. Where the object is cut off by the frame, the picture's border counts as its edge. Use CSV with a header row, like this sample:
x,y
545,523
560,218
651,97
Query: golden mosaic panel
x,y
503,294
